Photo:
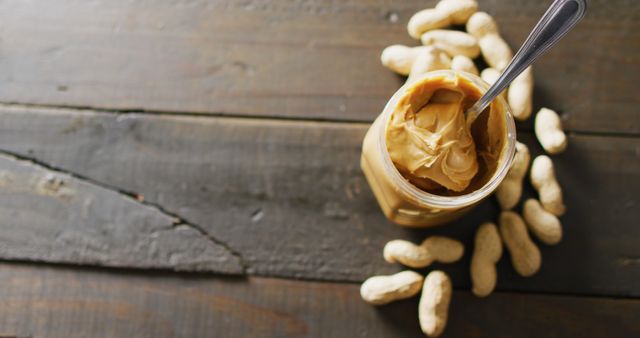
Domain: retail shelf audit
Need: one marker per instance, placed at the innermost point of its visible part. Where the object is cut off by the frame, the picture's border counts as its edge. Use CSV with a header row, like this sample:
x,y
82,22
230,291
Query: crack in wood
x,y
52,186
212,239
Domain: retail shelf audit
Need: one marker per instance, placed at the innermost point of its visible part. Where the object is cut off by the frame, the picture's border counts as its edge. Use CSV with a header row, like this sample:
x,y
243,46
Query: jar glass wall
x,y
404,203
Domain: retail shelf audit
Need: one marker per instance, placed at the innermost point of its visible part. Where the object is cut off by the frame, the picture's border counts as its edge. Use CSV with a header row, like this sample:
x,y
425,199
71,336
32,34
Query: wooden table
x,y
191,168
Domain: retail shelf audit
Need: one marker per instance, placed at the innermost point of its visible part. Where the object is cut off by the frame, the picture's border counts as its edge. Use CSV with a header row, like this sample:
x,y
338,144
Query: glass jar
x,y
407,205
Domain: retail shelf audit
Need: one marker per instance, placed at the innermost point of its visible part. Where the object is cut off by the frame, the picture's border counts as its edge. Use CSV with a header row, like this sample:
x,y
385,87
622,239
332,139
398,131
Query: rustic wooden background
x,y
188,168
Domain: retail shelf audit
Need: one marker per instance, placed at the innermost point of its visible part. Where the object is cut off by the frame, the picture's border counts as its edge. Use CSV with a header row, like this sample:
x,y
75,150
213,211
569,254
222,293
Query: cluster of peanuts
x,y
452,49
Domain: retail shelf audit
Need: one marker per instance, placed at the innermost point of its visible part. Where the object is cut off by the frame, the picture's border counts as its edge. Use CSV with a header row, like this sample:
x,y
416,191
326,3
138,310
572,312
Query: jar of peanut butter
x,y
424,162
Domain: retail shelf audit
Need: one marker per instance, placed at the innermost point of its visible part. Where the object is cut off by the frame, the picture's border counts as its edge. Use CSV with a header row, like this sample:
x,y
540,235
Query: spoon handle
x,y
557,21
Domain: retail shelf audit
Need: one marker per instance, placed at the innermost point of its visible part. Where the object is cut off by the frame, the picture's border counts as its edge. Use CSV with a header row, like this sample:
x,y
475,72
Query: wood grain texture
x,y
303,59
52,216
290,198
61,302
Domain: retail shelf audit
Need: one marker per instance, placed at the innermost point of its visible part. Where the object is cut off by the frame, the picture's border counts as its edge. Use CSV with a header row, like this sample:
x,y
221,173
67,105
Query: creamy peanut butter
x,y
432,145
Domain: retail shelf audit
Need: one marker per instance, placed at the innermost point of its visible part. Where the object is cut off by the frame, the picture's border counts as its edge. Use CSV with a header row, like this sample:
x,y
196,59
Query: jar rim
x,y
429,200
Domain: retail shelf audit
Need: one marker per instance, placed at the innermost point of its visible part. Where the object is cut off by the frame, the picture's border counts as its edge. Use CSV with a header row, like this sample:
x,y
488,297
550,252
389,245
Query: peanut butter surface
x,y
432,145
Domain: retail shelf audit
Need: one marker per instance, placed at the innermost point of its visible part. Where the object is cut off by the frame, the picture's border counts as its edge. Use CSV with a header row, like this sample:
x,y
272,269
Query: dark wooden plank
x,y
48,215
308,59
291,199
62,302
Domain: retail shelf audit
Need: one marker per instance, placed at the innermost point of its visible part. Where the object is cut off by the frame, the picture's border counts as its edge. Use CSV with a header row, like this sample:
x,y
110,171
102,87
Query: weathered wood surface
x,y
51,216
273,197
311,59
60,302
290,198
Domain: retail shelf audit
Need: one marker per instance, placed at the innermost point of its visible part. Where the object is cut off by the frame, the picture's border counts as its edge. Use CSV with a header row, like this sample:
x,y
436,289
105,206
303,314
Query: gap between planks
x,y
63,109
131,272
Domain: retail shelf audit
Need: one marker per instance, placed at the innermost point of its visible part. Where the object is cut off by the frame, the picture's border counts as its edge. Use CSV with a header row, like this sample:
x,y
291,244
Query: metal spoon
x,y
557,21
